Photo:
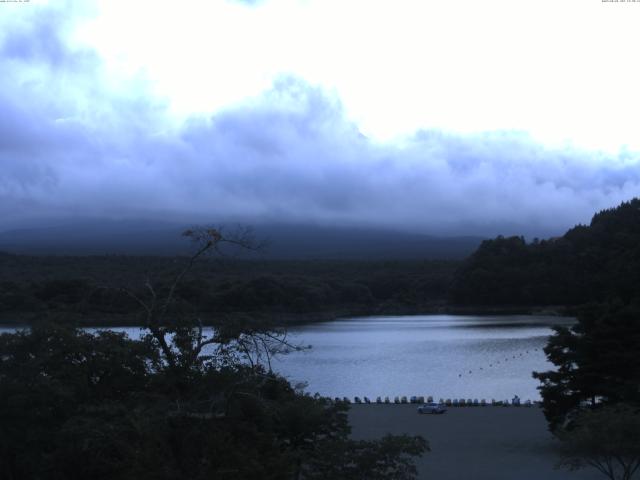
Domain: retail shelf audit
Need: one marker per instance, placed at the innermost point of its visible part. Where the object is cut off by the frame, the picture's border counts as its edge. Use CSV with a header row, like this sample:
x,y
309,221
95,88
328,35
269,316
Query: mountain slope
x,y
588,263
283,241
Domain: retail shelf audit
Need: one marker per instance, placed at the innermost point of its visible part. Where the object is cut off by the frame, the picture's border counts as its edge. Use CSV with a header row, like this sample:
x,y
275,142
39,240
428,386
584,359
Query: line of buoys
x,y
455,402
497,362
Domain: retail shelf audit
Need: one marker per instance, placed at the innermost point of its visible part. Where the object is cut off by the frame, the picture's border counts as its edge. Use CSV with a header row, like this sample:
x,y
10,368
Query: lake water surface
x,y
440,355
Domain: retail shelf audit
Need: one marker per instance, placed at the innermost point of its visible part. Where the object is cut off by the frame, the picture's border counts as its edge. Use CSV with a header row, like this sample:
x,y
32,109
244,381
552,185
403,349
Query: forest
x,y
89,288
589,263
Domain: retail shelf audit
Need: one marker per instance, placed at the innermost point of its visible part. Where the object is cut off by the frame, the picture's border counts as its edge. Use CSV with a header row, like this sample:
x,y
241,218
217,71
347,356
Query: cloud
x,y
74,144
248,2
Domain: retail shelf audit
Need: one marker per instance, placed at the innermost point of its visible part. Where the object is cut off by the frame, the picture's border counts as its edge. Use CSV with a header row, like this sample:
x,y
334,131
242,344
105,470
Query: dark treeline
x,y
90,287
591,263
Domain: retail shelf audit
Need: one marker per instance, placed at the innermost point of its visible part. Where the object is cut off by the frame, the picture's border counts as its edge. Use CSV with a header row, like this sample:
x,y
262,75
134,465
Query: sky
x,y
466,117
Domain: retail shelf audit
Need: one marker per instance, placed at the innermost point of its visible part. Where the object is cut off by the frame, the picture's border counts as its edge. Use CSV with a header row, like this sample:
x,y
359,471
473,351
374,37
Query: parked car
x,y
432,407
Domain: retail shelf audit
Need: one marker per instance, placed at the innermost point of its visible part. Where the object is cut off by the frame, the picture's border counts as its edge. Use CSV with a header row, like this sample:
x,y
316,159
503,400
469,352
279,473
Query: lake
x,y
448,356
440,355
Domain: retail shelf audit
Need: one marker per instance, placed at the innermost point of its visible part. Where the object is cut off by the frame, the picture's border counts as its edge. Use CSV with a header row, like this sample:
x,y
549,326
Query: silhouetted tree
x,y
179,403
597,362
607,439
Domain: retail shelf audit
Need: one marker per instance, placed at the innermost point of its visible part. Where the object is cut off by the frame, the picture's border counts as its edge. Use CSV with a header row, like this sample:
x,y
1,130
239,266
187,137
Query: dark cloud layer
x,y
72,145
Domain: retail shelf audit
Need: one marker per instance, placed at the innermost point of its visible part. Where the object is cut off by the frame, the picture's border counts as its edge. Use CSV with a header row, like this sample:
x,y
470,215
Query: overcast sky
x,y
466,117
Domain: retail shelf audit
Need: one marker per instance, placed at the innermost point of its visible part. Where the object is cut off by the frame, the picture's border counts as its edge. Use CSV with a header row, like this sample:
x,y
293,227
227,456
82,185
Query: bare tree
x,y
183,343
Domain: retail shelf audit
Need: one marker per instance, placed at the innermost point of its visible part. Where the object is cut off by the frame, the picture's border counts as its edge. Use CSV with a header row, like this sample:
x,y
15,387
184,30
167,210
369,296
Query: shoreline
x,y
287,319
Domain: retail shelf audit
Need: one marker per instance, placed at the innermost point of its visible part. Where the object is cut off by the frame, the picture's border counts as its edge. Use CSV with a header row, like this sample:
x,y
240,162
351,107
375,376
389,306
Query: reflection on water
x,y
440,355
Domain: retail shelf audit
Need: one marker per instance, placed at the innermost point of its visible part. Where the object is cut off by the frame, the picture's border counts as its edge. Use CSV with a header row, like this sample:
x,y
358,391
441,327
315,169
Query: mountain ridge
x,y
284,241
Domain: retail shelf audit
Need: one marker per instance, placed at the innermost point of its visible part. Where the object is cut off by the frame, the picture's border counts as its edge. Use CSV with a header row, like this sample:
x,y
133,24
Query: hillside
x,y
588,263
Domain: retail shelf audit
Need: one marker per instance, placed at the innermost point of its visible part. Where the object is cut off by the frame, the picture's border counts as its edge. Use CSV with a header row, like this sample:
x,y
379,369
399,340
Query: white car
x,y
432,407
